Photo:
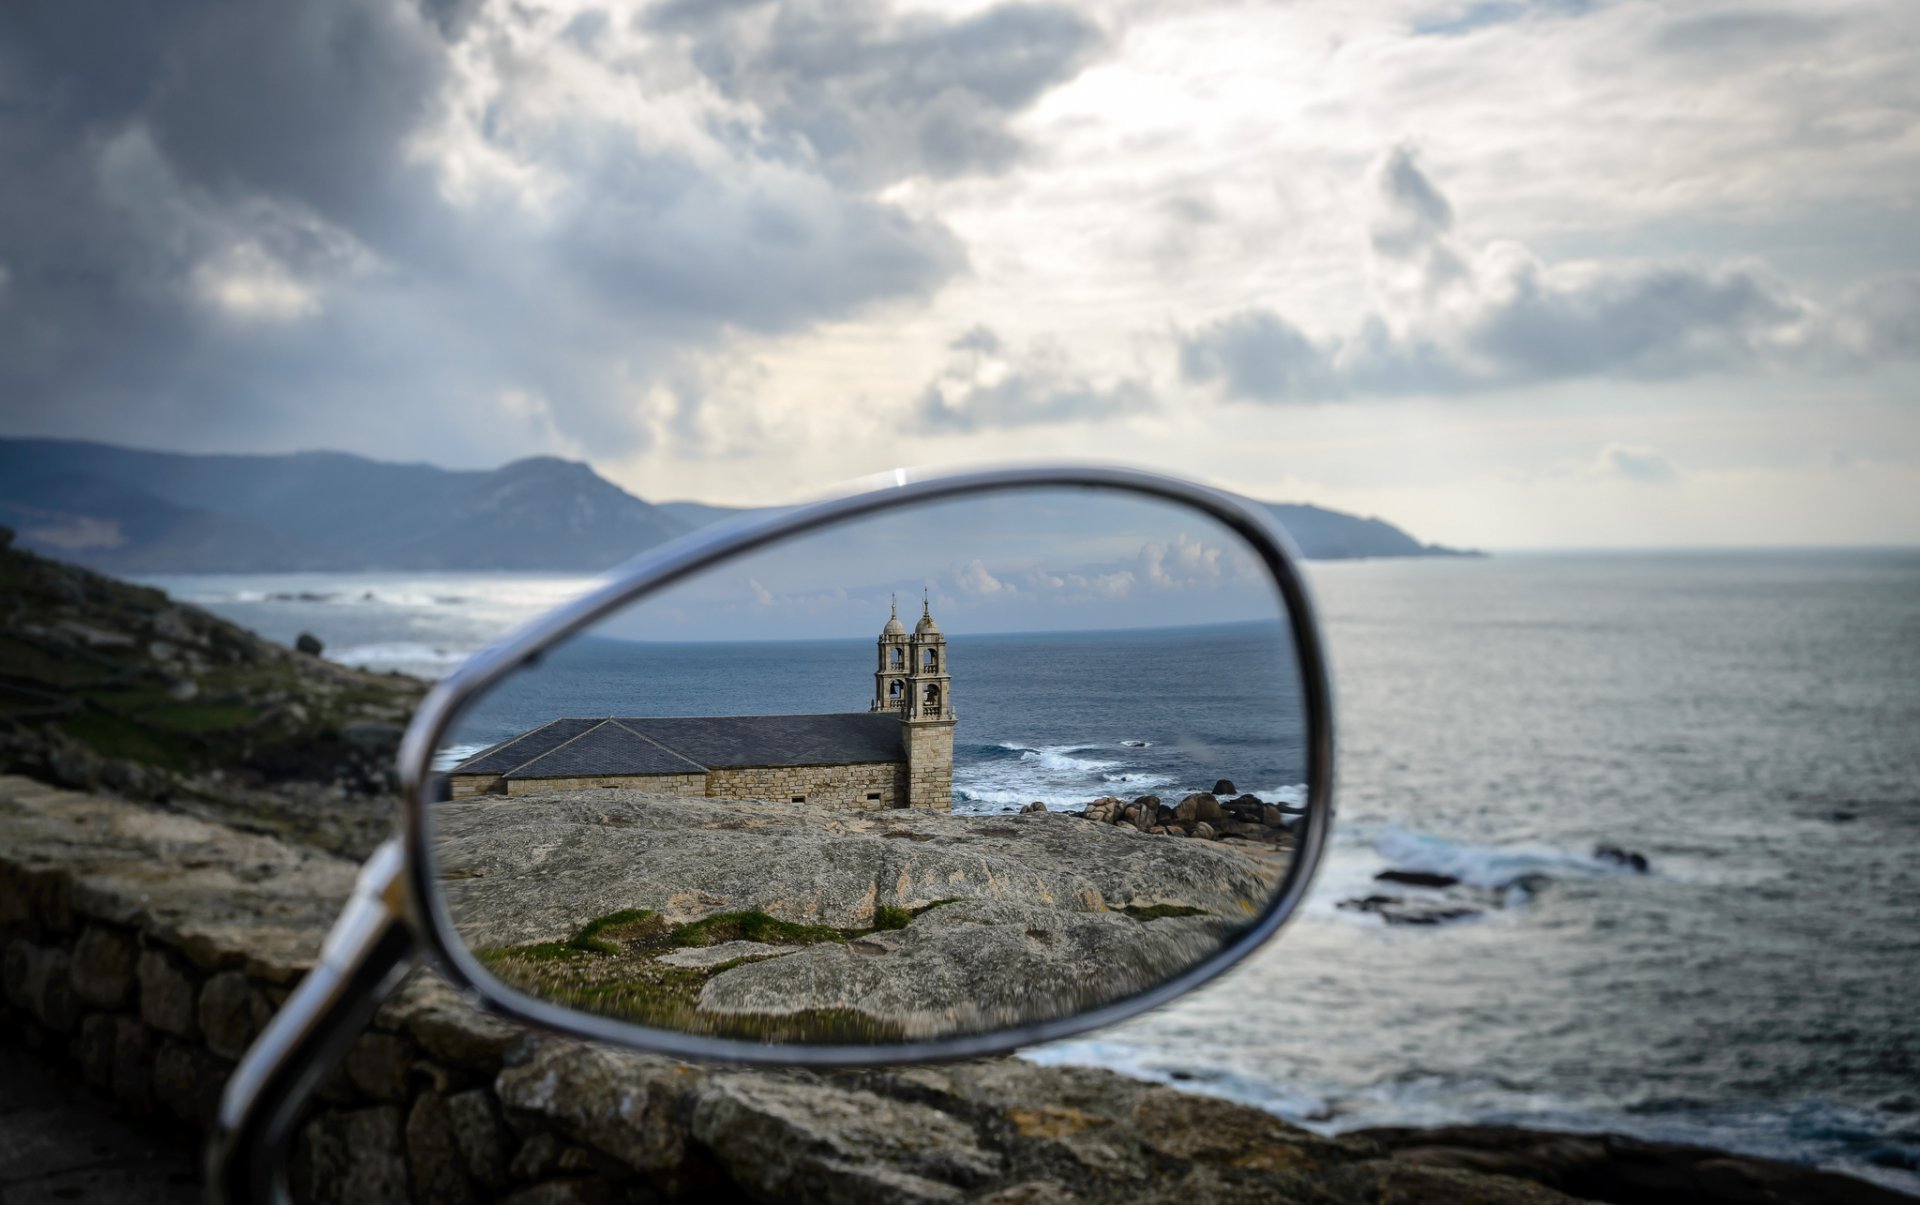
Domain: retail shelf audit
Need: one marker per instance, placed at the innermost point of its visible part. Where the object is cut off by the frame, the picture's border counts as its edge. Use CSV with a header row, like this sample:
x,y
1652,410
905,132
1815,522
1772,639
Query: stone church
x,y
896,754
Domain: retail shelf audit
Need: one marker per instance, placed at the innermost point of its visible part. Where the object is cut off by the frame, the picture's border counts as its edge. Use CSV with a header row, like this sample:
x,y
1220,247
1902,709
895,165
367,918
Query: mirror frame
x,y
706,548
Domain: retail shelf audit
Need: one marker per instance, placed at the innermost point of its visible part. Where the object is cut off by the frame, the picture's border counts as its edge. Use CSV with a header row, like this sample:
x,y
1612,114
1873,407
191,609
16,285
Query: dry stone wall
x,y
151,948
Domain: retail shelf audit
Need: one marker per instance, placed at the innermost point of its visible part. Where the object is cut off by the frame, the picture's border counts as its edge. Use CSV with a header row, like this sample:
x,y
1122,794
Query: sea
x,y
1748,722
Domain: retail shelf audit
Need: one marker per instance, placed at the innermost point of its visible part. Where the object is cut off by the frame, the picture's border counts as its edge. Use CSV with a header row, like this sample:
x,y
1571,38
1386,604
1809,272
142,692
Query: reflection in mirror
x,y
954,768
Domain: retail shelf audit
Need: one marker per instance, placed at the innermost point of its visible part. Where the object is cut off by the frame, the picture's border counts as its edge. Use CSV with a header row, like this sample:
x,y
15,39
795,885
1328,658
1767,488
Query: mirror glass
x,y
957,767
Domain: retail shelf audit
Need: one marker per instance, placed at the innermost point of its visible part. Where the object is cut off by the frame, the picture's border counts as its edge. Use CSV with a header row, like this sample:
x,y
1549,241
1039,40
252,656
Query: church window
x,y
931,660
898,659
933,696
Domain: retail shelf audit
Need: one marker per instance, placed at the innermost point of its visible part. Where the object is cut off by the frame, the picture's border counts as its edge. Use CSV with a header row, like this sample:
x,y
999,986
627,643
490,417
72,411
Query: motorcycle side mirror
x,y
927,771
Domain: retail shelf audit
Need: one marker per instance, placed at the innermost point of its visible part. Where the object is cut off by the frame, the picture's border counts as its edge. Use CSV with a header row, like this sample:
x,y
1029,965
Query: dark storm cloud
x,y
877,96
223,227
988,384
1497,318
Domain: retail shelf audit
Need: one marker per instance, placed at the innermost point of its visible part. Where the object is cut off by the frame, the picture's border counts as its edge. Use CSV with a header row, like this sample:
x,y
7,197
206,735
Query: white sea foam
x,y
424,659
449,756
1063,776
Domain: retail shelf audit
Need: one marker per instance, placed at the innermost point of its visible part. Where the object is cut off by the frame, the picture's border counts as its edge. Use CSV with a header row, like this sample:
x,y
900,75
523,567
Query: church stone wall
x,y
844,787
930,765
659,784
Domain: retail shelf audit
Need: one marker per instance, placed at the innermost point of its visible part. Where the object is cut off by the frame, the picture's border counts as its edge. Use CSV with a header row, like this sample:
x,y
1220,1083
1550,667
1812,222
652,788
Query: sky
x,y
1561,273
1030,561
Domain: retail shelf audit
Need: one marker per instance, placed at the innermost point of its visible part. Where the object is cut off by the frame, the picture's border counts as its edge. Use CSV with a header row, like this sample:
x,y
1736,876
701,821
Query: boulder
x,y
1225,787
1198,806
1416,878
1621,857
308,643
1204,831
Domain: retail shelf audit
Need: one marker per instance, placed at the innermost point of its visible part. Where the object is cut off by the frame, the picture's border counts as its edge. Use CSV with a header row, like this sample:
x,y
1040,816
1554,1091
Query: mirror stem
x,y
370,949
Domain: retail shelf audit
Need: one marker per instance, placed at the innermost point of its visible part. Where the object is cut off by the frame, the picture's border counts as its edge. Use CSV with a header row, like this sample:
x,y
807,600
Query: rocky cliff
x,y
106,685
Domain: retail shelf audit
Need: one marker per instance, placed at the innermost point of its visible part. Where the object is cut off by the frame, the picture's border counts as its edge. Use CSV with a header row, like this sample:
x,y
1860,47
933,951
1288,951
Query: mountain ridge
x,y
129,510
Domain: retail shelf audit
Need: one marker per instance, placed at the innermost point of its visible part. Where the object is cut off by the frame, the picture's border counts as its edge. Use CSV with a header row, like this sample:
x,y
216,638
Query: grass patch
x,y
755,926
887,916
611,967
588,941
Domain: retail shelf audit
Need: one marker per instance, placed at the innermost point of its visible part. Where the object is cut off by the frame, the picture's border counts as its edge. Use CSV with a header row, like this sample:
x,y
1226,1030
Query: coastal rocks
x,y
1398,910
1626,859
1613,1167
1416,878
1225,787
1200,815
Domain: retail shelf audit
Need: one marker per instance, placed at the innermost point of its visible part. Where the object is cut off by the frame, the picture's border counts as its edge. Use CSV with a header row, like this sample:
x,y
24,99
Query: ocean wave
x,y
1005,773
432,659
1493,867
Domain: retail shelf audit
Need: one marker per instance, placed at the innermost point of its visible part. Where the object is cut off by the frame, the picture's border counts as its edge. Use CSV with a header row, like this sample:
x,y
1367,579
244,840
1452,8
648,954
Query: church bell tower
x,y
912,680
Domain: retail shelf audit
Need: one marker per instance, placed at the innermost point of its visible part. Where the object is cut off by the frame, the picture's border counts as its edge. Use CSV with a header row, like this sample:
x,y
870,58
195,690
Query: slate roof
x,y
643,745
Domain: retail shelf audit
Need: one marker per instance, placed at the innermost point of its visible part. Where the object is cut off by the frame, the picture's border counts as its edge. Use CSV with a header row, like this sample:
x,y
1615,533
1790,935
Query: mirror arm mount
x,y
369,951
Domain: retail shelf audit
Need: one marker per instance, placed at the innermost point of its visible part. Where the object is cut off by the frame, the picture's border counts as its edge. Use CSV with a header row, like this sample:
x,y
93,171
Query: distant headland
x,y
125,510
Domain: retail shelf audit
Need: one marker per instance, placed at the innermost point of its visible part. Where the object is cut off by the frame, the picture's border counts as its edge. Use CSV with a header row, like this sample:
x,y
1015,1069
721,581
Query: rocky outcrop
x,y
107,686
151,947
905,922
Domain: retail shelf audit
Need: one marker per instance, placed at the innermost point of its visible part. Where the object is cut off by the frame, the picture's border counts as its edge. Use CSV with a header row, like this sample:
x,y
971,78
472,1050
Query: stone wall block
x,y
103,967
377,1064
351,1157
93,1049
538,1157
480,1136
168,1001
630,1105
226,1014
434,1166
187,1082
568,1192
50,990
133,1065
806,1140
16,968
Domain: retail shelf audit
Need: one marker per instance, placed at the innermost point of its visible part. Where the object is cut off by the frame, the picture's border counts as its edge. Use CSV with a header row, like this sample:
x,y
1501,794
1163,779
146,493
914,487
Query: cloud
x,y
877,95
1456,317
974,578
1635,464
262,229
987,384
